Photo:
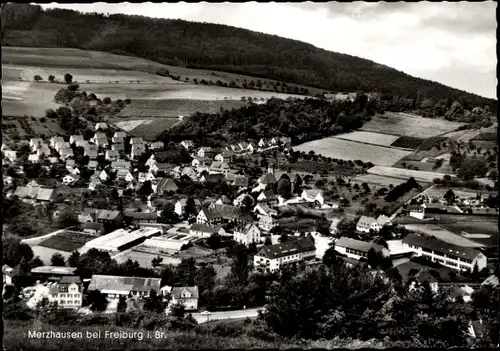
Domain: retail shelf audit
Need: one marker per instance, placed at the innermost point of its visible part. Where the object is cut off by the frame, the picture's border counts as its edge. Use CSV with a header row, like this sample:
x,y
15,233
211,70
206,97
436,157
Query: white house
x,y
95,182
67,292
262,143
120,147
250,148
417,211
453,256
60,145
264,210
383,220
54,140
186,295
103,176
43,151
101,126
70,179
247,235
34,158
136,141
66,153
313,195
92,164
267,223
204,151
102,142
365,224
10,155
151,161
357,249
112,155
74,138
157,145
204,230
82,143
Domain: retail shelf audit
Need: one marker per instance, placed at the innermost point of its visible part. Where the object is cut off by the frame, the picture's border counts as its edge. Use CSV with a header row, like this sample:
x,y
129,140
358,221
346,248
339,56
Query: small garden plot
x,y
420,176
405,125
407,142
351,150
429,143
67,241
369,138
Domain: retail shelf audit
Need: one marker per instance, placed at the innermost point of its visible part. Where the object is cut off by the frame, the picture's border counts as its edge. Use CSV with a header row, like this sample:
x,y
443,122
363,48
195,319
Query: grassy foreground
x,y
221,335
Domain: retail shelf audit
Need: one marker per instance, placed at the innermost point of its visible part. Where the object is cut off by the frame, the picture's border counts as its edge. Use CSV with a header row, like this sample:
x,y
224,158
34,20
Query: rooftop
x,y
125,284
440,246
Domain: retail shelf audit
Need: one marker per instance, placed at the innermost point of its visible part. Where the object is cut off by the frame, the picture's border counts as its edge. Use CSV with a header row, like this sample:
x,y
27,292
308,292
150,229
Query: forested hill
x,y
217,47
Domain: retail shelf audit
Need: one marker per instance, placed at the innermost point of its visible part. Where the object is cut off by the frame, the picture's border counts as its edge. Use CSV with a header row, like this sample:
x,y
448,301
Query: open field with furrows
x,y
27,98
377,180
442,234
150,129
66,241
399,124
420,176
351,150
142,108
369,138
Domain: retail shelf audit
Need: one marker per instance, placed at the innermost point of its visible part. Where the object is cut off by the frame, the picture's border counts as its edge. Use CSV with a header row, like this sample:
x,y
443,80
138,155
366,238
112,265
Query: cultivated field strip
x,y
422,176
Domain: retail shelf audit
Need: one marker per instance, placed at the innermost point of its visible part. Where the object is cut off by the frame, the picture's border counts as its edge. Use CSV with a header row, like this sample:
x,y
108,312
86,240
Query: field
x,y
486,136
460,192
27,98
377,180
144,258
351,150
429,143
420,176
487,227
46,253
407,142
25,127
66,241
369,138
442,234
403,125
150,129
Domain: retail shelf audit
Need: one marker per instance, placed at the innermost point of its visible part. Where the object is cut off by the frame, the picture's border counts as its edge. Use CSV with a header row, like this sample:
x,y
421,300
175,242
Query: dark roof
x,y
109,215
267,178
290,247
205,228
165,184
240,181
177,291
110,282
214,178
440,246
357,244
93,225
70,280
141,215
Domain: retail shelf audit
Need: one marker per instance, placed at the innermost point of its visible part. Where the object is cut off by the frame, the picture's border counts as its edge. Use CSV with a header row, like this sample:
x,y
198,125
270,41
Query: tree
x,y
74,259
240,268
14,251
51,78
168,214
68,78
106,100
284,188
449,196
155,262
190,207
98,301
205,278
155,303
57,260
122,304
185,272
330,256
146,188
178,310
268,241
37,78
67,219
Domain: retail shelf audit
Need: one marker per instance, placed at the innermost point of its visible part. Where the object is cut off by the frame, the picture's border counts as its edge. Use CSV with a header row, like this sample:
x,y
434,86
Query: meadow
x,y
144,258
442,234
369,138
27,98
420,176
351,150
46,253
150,129
404,125
377,180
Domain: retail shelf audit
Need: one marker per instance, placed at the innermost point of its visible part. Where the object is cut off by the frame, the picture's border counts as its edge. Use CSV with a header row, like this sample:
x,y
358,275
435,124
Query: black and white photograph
x,y
274,175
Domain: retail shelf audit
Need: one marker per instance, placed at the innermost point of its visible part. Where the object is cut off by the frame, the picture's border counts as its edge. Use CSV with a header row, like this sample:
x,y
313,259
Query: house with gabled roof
x,y
60,145
101,126
112,155
103,176
200,162
247,234
180,206
205,151
157,145
224,157
160,167
187,144
151,161
262,143
357,249
120,164
262,209
219,168
10,155
205,230
268,197
365,224
116,286
91,151
43,151
74,138
102,142
186,295
274,257
190,172
70,179
164,185
267,223
240,181
137,150
33,158
66,153
36,194
120,147
54,140
313,195
136,140
92,164
82,143
95,183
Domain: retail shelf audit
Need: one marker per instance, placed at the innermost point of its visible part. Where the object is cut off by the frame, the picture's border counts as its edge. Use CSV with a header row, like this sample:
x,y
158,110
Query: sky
x,y
453,43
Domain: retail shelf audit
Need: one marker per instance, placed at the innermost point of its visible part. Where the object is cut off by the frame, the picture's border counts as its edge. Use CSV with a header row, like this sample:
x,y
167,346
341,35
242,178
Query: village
x,y
156,218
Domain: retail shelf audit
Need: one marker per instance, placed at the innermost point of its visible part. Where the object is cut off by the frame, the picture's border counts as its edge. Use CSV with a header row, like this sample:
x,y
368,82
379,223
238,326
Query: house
x,y
273,257
120,147
88,215
54,140
224,157
180,206
137,150
383,220
141,217
425,276
268,197
160,167
365,224
207,216
116,286
124,174
212,178
240,181
8,274
262,143
228,214
357,249
200,162
53,160
82,143
70,179
313,195
243,145
223,200
188,144
478,330
93,228
34,142
91,151
98,136
118,141
74,138
101,126
67,292
417,211
119,137
116,165
449,255
33,158
492,280
92,164
11,155
143,177
103,176
95,183
267,178
267,223
164,185
102,142
239,201
112,155
190,172
204,152
70,164
8,180
263,209
37,194
73,170
107,216
151,161
62,145
66,153
157,145
43,151
136,141
204,230
219,168
246,235
186,295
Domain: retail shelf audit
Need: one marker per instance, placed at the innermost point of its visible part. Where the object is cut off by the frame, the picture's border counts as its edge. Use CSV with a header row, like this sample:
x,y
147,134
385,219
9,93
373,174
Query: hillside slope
x,y
218,47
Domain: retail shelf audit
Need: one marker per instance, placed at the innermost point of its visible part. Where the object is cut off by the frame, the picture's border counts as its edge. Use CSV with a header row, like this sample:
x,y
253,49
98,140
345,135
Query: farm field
x,y
442,234
46,253
486,227
369,138
144,258
407,142
28,98
351,150
403,125
405,174
423,165
150,129
66,241
460,192
24,127
377,180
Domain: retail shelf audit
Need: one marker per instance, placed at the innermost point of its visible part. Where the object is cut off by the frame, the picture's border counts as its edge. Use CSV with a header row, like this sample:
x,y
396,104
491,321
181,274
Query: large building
x,y
272,258
247,234
449,255
186,295
122,239
52,272
115,286
67,292
357,249
365,224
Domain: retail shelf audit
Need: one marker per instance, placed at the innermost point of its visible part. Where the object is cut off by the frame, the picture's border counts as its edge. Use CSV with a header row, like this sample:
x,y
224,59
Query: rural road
x,y
238,314
407,202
